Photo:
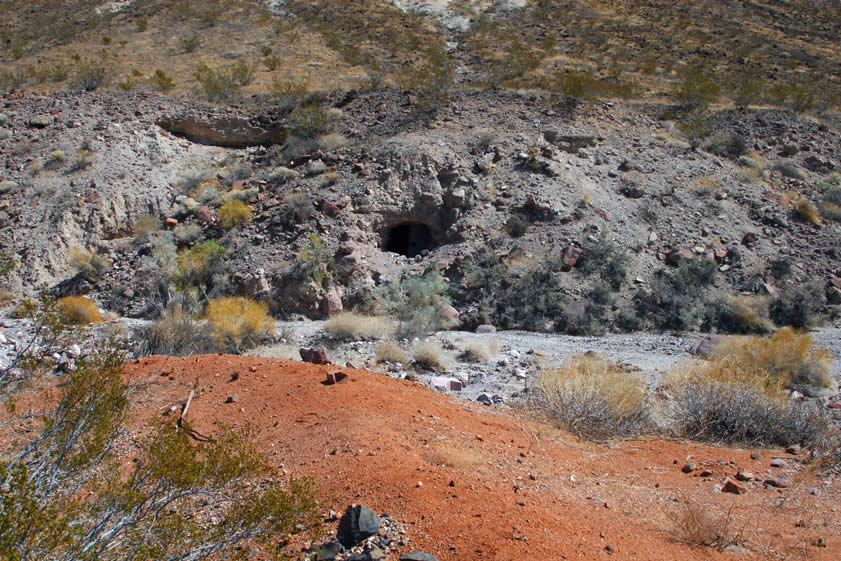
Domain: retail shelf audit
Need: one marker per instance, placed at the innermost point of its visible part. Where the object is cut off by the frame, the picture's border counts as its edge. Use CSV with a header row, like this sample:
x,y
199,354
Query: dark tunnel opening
x,y
409,239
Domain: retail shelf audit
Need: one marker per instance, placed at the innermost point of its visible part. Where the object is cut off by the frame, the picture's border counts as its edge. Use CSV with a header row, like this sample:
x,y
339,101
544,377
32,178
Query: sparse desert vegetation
x,y
534,258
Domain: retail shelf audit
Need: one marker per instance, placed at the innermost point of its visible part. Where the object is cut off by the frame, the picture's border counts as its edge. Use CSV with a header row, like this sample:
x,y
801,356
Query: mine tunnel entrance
x,y
408,238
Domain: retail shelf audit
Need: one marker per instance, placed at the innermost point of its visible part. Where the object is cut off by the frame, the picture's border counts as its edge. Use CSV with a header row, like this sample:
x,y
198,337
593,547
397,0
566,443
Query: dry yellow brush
x,y
594,397
742,394
238,322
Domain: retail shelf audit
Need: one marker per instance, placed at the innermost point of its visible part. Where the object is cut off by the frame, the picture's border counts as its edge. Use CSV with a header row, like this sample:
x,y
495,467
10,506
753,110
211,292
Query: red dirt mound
x,y
471,482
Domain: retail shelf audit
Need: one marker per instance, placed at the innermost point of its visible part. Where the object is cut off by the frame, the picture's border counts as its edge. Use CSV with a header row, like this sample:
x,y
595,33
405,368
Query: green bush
x,y
315,263
70,491
697,88
417,302
197,264
604,257
177,333
233,213
90,74
216,85
798,305
160,80
191,42
680,299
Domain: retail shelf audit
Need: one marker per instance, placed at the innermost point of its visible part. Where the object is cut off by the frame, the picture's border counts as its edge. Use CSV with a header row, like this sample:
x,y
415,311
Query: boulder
x,y
705,347
315,355
570,256
485,328
357,524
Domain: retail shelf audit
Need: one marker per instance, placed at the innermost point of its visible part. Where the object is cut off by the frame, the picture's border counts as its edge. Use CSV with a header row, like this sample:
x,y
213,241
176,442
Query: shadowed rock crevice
x,y
408,238
228,132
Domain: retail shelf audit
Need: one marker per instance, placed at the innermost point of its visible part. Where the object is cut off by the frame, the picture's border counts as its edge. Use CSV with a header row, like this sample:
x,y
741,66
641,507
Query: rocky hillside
x,y
391,192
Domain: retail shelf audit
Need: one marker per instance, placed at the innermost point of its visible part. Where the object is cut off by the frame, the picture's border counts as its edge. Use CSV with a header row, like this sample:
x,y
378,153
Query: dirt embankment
x,y
472,482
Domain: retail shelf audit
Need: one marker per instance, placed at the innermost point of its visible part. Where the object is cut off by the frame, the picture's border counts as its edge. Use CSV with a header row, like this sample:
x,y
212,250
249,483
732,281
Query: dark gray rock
x,y
329,551
357,523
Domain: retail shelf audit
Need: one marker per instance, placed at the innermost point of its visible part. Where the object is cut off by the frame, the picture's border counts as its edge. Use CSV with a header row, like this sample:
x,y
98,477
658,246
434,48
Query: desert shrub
x,y
429,355
351,325
238,323
242,73
196,265
747,89
787,169
82,161
70,493
697,88
177,333
288,93
187,233
160,80
390,351
605,258
780,268
233,213
744,314
724,143
798,306
808,212
432,80
516,225
740,413
679,299
417,302
87,262
7,265
193,177
331,141
80,310
315,263
145,225
529,299
455,455
283,174
739,396
272,62
479,350
784,360
216,85
696,524
593,397
90,74
310,120
191,42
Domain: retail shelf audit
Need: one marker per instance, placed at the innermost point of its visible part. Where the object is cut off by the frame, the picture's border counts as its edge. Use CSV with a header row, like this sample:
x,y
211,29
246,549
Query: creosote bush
x,y
593,397
417,302
81,310
69,492
238,323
